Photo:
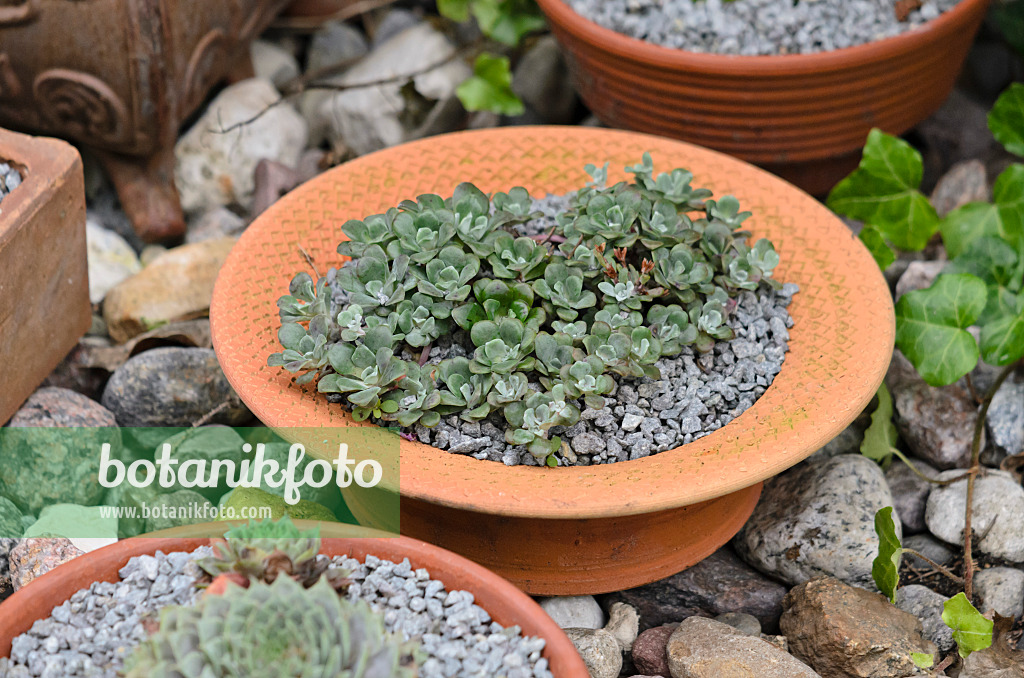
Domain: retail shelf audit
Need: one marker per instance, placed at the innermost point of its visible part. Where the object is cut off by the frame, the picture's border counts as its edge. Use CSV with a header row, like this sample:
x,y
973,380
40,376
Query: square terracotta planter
x,y
44,283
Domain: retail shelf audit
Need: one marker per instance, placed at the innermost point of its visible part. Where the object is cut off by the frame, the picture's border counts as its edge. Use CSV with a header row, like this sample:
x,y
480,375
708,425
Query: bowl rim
x,y
633,49
622,488
492,592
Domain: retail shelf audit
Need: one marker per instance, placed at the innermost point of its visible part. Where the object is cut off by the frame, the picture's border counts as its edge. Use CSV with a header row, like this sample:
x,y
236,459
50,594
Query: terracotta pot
x,y
42,264
577,529
506,605
803,116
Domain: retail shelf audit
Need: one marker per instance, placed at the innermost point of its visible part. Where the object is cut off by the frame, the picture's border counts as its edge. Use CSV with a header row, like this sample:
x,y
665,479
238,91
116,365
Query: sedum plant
x,y
272,630
630,273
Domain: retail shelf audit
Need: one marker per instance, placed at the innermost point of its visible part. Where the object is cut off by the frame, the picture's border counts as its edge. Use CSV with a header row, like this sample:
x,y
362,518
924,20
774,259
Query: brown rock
x,y
53,406
718,584
61,463
177,285
649,655
999,661
704,648
964,182
35,557
937,423
847,632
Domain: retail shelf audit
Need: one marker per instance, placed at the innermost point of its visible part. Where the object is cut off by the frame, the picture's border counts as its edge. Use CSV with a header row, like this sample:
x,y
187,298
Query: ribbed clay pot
x,y
507,605
802,116
581,529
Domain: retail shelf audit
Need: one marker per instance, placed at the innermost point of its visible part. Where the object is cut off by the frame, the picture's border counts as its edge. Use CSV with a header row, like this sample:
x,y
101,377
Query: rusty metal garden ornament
x,y
120,77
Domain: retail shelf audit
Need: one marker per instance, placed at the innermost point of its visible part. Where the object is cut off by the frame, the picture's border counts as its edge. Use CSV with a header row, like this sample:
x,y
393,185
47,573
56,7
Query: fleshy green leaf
x,y
1003,218
931,327
490,87
885,568
922,660
880,436
880,250
1006,119
883,193
971,631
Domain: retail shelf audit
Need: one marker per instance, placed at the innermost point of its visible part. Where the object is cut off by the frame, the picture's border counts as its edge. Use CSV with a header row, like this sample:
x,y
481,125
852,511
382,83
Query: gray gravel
x,y
10,179
697,394
91,634
753,27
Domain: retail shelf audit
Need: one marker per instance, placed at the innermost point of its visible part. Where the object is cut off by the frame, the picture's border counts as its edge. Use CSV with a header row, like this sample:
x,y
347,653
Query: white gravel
x,y
757,27
91,634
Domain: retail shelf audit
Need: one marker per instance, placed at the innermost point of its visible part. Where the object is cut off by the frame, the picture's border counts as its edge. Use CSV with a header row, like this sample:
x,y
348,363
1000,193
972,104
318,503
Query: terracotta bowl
x,y
577,529
803,116
506,604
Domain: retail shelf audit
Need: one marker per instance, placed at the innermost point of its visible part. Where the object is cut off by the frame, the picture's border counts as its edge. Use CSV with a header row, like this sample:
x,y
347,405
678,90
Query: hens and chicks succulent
x,y
267,625
630,273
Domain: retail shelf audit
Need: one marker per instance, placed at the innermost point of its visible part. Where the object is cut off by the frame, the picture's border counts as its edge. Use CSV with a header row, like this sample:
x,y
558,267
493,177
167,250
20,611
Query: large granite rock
x,y
817,519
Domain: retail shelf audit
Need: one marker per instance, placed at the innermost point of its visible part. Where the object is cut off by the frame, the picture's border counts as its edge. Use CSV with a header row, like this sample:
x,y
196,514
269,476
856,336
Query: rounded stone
x,y
172,387
574,612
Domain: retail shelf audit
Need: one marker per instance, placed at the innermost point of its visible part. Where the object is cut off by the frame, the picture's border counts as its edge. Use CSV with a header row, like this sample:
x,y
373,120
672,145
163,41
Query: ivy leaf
x,y
1006,119
1002,338
1009,20
1003,218
507,21
880,436
885,568
991,259
880,250
931,327
922,660
971,631
456,10
882,192
490,87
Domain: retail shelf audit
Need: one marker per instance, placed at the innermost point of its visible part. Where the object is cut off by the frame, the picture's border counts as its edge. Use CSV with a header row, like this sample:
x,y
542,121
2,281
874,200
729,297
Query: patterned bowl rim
x,y
839,349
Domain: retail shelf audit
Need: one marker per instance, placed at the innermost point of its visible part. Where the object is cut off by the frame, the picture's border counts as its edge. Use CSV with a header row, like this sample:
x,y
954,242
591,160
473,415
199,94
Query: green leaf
x,y
880,250
490,87
456,10
880,436
931,327
885,568
882,192
971,631
1009,20
551,461
1006,119
507,21
922,660
1003,218
1002,339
